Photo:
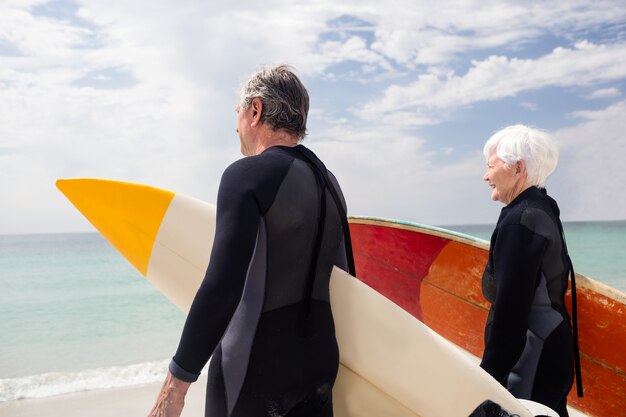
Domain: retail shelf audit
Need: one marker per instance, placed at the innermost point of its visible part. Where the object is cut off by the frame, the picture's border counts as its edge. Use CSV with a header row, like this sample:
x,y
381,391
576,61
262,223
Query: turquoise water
x,y
597,249
75,315
70,303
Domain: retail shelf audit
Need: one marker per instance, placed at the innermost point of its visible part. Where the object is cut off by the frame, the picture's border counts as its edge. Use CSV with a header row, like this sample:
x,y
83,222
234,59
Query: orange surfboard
x,y
435,275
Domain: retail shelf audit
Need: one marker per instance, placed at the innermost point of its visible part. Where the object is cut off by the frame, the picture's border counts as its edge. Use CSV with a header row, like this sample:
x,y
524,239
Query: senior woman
x,y
529,346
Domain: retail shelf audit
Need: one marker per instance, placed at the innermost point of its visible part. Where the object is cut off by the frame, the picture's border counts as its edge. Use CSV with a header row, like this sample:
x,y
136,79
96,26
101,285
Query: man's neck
x,y
275,138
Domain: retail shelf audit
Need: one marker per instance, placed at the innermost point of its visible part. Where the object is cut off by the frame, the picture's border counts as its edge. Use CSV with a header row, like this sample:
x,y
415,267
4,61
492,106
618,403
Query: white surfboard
x,y
391,363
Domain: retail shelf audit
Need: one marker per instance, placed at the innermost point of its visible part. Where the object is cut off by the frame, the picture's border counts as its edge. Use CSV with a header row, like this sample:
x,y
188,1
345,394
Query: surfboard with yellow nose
x,y
392,365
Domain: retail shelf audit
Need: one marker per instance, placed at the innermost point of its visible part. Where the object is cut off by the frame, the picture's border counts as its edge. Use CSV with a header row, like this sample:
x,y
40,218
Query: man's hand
x,y
171,399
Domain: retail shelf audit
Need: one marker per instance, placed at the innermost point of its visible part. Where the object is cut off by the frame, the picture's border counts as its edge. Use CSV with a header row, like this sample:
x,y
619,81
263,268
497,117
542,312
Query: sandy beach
x,y
129,401
132,401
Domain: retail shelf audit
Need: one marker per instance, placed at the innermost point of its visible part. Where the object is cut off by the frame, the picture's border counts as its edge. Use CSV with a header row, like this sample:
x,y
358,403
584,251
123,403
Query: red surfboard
x,y
435,275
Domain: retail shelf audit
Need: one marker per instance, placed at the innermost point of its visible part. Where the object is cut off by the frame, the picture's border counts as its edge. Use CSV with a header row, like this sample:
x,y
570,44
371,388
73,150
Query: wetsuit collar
x,y
531,193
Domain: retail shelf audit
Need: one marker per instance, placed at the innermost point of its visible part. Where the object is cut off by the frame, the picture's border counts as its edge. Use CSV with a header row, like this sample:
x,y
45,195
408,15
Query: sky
x,y
404,94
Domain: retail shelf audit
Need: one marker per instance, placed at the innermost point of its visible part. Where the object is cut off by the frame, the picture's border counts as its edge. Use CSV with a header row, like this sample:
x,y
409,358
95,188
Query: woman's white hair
x,y
522,143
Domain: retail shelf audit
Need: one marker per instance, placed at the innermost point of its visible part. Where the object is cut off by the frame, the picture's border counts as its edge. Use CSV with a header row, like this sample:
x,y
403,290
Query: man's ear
x,y
257,110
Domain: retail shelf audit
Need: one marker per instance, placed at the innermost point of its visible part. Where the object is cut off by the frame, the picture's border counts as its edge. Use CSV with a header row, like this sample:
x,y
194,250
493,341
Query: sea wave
x,y
57,383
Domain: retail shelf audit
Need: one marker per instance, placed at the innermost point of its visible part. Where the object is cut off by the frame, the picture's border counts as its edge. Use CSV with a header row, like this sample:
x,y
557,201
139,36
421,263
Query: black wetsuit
x,y
528,337
266,323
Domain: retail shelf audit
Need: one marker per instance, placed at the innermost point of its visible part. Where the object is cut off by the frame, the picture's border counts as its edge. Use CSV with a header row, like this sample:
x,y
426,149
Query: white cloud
x,y
39,36
448,151
604,93
352,49
434,33
529,106
498,77
386,174
173,125
590,173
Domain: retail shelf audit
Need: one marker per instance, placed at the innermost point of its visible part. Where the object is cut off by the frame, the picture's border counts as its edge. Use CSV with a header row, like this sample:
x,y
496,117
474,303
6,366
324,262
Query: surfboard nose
x,y
128,215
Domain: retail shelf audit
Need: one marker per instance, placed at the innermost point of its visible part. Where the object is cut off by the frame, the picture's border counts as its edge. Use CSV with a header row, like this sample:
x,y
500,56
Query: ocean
x,y
76,316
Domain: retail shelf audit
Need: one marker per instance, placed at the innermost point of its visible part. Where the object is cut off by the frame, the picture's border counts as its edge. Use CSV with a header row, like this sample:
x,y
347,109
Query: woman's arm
x,y
517,257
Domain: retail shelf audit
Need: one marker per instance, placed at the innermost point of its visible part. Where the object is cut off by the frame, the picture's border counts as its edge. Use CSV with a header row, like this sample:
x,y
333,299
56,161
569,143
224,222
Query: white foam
x,y
57,383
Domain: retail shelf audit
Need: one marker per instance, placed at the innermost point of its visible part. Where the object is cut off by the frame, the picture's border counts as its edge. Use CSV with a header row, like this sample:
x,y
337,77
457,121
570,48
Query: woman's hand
x,y
171,399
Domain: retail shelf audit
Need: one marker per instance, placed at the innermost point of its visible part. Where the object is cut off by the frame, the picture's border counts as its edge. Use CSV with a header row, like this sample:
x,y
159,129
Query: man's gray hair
x,y
284,97
522,143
